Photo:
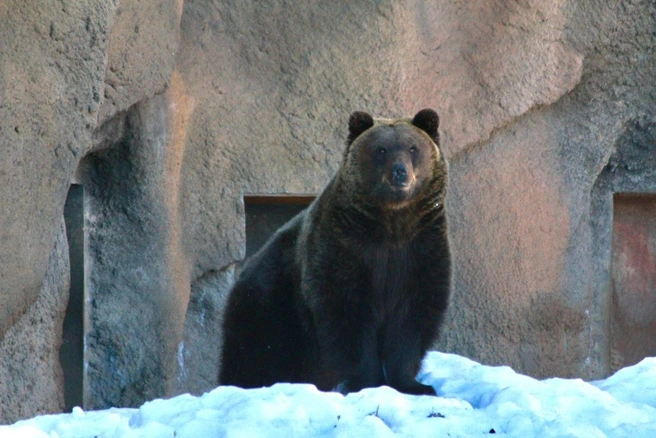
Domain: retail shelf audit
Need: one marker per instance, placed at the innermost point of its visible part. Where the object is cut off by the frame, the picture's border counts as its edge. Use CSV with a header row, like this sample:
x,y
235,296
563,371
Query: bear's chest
x,y
389,270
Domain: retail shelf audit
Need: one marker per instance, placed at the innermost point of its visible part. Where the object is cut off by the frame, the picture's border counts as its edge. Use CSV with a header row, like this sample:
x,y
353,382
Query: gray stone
x,y
136,302
532,208
141,53
31,380
199,353
292,73
51,81
64,67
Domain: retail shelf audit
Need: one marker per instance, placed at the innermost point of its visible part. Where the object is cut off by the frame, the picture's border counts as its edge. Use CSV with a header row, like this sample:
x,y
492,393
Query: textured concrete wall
x,y
30,375
168,112
52,59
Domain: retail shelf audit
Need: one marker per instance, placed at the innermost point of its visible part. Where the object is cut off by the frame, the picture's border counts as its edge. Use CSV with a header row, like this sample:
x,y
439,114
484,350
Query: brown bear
x,y
352,291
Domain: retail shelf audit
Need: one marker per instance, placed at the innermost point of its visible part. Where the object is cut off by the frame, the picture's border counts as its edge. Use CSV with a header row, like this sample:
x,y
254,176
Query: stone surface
x,y
199,357
484,64
31,380
53,82
52,58
141,52
292,73
506,259
557,217
136,283
170,112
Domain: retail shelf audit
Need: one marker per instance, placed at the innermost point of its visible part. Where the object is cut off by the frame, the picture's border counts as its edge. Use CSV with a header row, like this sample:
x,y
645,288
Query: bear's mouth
x,y
395,195
399,186
390,196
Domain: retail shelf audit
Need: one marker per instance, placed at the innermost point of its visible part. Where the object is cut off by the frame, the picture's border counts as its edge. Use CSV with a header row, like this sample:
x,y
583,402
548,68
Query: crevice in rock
x,y
71,353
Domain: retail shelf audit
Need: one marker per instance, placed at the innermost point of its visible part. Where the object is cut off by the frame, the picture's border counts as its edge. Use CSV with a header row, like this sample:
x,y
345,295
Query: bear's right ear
x,y
358,123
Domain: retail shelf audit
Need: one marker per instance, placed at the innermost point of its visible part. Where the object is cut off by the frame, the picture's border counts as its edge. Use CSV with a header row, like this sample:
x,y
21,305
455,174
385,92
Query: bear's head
x,y
391,162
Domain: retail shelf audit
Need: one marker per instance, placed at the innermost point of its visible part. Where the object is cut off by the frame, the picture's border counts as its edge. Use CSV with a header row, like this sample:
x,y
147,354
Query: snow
x,y
474,400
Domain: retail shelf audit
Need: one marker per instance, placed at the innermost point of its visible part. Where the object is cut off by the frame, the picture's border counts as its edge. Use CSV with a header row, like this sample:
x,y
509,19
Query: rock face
x,y
51,85
31,378
169,112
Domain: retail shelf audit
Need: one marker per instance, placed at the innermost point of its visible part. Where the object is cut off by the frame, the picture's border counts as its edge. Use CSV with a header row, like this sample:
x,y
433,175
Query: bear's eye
x,y
381,150
413,149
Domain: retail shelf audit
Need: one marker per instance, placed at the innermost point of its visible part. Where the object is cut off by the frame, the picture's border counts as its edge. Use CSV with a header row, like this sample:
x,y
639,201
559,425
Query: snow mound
x,y
474,400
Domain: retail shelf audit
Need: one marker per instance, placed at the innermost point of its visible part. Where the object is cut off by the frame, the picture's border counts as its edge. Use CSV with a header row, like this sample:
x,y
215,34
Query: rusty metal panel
x,y
633,306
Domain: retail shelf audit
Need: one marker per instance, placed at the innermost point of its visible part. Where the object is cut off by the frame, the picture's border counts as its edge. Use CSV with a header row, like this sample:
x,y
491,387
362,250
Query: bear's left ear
x,y
428,121
358,123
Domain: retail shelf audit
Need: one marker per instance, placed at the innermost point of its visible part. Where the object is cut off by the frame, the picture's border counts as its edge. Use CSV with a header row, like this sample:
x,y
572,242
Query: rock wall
x,y
168,112
31,378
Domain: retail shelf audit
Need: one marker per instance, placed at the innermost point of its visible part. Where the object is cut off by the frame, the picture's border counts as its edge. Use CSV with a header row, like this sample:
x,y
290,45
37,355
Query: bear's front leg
x,y
348,350
402,353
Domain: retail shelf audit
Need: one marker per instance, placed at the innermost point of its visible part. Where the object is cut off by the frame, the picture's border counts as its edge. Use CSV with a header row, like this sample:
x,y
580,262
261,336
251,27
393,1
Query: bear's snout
x,y
399,175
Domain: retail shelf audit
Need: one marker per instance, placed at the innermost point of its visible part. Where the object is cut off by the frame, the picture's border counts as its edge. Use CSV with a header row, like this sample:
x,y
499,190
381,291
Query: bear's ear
x,y
358,123
428,121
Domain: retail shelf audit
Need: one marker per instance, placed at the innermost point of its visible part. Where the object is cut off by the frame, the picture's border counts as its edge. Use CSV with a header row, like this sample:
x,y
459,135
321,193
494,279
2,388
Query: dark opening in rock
x,y
266,213
71,353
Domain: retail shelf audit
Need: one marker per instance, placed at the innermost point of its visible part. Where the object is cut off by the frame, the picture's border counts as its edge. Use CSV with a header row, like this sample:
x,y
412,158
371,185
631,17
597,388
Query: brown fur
x,y
352,292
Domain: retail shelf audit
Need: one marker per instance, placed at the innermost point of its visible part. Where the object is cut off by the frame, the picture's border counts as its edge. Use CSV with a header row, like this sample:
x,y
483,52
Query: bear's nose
x,y
399,174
